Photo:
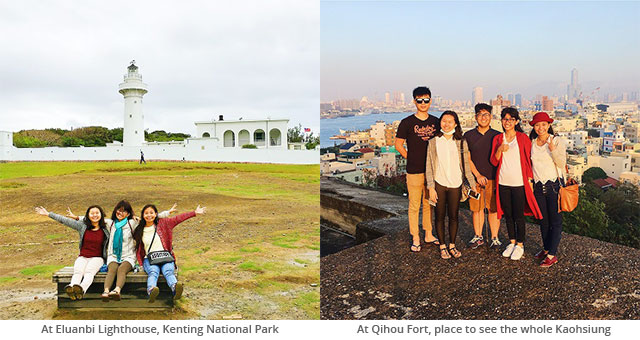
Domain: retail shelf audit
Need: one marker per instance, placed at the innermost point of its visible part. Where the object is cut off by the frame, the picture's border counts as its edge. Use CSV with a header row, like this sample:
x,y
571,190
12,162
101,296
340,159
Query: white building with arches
x,y
264,133
215,141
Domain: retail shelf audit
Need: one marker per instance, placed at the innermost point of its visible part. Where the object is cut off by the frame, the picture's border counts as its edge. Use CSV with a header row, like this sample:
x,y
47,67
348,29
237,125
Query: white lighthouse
x,y
133,89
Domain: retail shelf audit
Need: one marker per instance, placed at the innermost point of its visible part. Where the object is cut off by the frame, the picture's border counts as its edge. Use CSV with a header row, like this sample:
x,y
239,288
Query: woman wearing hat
x,y
548,161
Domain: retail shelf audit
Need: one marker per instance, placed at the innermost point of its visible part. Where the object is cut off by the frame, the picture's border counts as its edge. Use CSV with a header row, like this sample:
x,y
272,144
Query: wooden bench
x,y
133,295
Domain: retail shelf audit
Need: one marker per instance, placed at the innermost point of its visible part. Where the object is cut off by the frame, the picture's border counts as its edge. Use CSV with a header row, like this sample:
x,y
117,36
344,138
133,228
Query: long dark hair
x,y
458,130
101,222
137,234
533,134
122,205
513,112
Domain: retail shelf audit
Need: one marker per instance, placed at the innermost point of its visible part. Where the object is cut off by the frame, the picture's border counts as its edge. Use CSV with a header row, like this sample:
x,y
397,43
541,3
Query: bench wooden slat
x,y
134,293
65,274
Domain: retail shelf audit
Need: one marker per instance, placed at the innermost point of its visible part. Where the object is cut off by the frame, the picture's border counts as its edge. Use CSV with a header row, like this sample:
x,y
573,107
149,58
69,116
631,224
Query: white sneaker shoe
x,y
507,252
517,253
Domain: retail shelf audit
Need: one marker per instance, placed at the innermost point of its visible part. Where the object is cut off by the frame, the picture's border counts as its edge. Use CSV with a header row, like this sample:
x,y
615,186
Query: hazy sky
x,y
369,48
62,61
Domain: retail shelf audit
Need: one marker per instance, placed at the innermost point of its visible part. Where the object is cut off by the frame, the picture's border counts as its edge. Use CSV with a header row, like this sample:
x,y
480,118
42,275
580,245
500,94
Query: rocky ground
x,y
382,279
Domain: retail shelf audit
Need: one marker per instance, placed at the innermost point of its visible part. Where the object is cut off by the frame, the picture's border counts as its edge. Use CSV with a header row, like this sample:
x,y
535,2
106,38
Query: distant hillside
x,y
85,136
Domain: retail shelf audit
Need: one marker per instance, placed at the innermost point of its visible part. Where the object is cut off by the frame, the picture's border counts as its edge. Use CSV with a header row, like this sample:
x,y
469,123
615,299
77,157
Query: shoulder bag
x,y
568,194
158,257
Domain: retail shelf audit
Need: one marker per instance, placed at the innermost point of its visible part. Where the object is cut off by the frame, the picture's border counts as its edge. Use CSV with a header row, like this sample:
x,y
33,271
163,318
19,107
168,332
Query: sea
x,y
331,127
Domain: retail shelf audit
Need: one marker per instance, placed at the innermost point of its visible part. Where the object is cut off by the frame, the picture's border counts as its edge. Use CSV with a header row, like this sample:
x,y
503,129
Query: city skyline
x,y
62,62
506,47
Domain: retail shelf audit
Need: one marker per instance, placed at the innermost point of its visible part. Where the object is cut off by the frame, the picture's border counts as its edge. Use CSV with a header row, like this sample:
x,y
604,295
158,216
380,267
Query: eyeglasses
x,y
422,100
483,115
509,120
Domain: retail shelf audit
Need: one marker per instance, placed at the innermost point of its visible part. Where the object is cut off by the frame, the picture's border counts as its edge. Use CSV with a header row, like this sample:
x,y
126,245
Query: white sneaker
x,y
475,239
517,253
507,252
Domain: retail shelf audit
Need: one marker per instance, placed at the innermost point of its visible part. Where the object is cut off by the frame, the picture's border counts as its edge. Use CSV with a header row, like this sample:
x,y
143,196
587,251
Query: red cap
x,y
540,117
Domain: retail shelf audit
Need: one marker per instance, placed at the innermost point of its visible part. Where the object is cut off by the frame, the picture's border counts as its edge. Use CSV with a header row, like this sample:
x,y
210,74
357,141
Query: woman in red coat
x,y
511,153
154,239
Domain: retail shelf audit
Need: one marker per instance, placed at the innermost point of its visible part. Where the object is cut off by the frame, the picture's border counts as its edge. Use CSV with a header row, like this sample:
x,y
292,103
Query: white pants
x,y
84,269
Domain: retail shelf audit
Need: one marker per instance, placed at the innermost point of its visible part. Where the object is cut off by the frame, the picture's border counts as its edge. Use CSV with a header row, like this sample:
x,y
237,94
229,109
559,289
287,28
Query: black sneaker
x,y
495,244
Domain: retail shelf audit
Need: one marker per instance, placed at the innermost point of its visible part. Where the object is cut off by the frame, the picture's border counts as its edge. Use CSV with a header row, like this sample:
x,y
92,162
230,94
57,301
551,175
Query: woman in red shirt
x,y
94,237
511,153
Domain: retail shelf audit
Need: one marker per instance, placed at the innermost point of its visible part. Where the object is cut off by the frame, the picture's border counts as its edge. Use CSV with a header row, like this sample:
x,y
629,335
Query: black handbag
x,y
158,257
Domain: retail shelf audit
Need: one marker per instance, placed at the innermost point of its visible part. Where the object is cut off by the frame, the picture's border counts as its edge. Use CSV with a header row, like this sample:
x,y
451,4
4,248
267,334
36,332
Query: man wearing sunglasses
x,y
416,130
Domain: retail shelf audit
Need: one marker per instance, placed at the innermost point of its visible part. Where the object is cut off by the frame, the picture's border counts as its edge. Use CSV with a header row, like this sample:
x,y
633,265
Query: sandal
x,y
114,295
105,296
416,248
444,253
455,252
434,242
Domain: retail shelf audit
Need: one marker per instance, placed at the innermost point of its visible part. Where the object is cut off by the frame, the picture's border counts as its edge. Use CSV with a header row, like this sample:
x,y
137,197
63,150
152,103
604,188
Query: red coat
x,y
524,143
165,233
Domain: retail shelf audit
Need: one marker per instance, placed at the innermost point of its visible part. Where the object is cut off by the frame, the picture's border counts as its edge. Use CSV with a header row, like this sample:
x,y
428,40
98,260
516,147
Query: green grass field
x,y
254,254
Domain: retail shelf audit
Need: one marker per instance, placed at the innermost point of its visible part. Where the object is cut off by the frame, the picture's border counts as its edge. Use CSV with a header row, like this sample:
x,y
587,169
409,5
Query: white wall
x,y
193,151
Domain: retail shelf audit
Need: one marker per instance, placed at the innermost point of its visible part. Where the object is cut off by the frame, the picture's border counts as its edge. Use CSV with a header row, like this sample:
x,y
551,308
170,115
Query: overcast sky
x,y
369,48
62,61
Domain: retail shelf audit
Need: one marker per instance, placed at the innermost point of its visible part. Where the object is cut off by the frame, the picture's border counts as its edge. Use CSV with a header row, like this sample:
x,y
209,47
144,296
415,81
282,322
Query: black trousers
x,y
551,222
448,203
512,201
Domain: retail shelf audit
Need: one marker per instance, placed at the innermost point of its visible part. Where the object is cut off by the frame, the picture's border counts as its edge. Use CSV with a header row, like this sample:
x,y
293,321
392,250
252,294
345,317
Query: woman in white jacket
x,y
548,161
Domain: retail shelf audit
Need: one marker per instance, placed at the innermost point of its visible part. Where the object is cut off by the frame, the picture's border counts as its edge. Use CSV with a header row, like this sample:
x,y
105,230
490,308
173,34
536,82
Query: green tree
x,y
593,173
295,134
588,219
312,141
22,141
116,134
72,141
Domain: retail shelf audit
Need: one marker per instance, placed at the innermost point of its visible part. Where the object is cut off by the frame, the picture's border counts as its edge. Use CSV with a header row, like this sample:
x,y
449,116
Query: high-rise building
x,y
498,104
387,98
476,96
573,89
510,97
518,100
547,104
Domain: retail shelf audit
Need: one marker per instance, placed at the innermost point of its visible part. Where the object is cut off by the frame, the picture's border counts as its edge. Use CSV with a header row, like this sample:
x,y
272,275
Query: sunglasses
x,y
423,100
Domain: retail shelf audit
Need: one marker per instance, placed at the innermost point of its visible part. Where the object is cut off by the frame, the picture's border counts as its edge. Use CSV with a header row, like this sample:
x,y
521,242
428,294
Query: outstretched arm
x,y
174,221
167,213
69,222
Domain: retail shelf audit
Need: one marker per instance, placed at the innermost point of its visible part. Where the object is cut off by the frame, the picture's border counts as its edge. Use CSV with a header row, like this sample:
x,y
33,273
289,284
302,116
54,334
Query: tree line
x,y
100,136
85,136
